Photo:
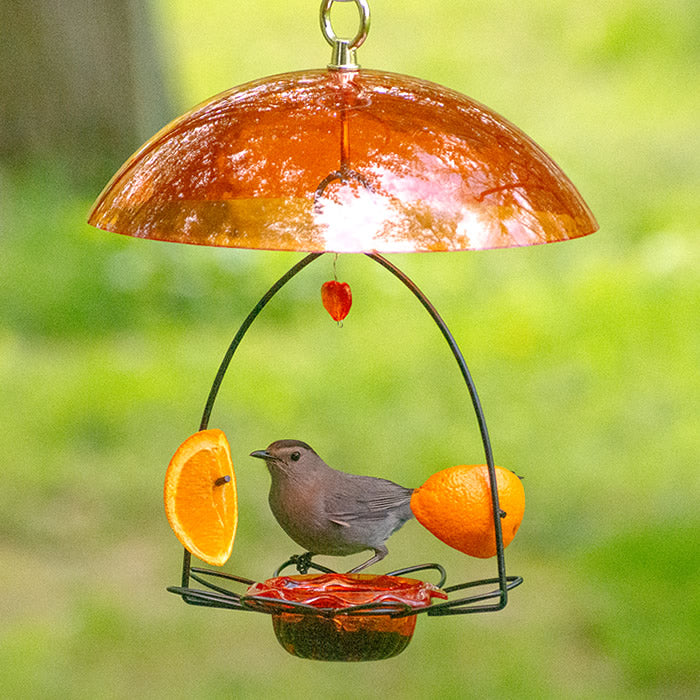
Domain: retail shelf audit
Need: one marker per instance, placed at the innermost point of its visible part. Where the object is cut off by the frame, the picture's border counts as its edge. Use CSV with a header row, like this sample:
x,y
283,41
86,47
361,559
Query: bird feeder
x,y
345,160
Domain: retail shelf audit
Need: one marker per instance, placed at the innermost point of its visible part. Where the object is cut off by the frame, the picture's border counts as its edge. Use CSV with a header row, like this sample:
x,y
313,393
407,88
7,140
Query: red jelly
x,y
335,631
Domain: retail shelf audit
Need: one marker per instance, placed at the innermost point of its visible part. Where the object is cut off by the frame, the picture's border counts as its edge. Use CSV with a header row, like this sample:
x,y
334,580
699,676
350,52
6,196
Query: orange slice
x,y
455,505
201,502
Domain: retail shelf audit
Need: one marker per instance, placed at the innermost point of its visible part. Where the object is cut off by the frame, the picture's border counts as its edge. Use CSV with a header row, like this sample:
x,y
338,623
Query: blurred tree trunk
x,y
81,84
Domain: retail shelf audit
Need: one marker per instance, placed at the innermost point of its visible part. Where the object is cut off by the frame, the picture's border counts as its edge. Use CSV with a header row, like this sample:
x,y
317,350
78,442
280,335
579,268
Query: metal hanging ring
x,y
327,28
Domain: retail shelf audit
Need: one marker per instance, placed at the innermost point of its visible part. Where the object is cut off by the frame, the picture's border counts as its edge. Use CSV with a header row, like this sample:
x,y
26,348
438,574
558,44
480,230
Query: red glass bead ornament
x,y
337,299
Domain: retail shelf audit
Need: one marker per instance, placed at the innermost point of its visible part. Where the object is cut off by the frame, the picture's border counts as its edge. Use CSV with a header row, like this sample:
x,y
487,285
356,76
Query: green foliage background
x,y
585,354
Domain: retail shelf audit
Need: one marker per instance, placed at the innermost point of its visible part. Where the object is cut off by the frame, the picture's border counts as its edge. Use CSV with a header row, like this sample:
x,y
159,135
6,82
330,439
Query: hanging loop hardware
x,y
344,56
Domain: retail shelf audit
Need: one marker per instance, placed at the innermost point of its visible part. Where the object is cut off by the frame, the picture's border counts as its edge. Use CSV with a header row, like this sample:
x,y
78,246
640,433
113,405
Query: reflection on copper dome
x,y
409,166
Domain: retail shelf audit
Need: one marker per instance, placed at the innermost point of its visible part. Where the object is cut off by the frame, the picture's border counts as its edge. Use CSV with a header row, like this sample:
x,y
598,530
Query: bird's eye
x,y
295,456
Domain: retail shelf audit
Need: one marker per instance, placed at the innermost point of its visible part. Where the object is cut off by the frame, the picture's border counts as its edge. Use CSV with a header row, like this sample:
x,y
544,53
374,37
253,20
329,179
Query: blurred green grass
x,y
585,354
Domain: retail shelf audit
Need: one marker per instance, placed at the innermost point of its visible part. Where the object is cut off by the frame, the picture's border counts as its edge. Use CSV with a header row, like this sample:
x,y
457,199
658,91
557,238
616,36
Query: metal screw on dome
x,y
344,56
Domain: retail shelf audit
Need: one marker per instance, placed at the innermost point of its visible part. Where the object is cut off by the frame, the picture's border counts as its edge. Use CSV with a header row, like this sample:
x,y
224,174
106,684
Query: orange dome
x,y
343,161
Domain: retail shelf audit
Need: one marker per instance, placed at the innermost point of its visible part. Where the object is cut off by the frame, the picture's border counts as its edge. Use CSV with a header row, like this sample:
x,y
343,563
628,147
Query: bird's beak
x,y
261,454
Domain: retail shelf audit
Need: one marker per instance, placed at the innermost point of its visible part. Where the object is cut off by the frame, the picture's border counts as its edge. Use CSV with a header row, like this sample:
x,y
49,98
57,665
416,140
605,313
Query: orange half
x,y
455,505
201,501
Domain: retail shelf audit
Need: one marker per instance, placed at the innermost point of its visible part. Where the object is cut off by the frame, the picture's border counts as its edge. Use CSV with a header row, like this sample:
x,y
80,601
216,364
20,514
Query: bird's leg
x,y
379,554
302,561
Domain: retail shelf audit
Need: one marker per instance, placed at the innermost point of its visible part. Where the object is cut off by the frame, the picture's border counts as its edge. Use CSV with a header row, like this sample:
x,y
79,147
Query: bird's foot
x,y
379,554
301,561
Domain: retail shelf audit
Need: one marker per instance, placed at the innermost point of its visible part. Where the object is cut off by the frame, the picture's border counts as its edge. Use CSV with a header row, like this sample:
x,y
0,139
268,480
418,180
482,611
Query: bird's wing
x,y
365,497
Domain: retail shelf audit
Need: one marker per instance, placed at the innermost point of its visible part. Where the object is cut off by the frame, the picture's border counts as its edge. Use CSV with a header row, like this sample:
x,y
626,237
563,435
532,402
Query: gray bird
x,y
327,511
